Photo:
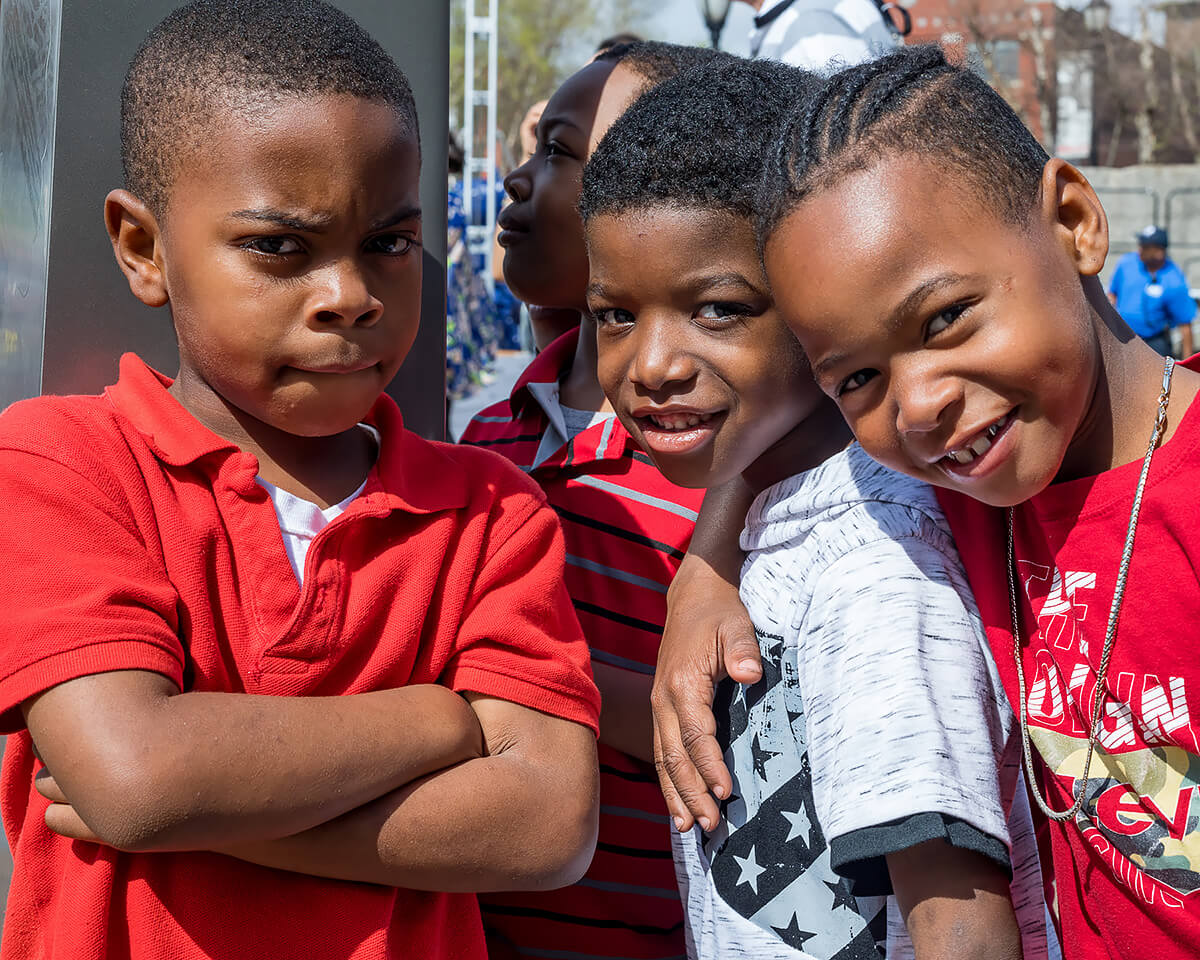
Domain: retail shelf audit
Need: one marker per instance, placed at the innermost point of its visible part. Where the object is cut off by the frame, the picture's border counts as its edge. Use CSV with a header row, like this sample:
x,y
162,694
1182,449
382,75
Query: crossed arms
x,y
413,787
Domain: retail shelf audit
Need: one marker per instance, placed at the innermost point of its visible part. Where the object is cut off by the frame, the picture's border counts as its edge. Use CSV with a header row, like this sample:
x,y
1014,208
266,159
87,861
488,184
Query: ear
x,y
137,245
1071,207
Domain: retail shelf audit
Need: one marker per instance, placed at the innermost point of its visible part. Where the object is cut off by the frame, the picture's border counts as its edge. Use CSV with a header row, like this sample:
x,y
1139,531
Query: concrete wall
x,y
1137,196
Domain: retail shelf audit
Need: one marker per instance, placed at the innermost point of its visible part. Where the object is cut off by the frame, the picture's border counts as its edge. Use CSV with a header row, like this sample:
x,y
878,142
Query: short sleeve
x,y
906,719
520,639
81,593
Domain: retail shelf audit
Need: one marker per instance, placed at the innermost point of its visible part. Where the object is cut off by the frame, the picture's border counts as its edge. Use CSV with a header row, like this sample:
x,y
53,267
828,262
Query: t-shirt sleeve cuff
x,y
579,706
859,856
41,675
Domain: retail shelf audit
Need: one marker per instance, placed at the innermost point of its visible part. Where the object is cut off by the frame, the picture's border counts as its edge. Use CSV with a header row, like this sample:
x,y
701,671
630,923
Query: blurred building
x,y
1090,92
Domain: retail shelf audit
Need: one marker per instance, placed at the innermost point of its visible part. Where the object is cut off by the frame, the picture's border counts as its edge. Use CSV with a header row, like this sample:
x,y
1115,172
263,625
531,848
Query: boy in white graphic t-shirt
x,y
875,755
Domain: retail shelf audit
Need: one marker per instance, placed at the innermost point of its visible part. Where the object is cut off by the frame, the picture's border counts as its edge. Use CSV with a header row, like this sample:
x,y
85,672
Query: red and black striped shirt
x,y
626,529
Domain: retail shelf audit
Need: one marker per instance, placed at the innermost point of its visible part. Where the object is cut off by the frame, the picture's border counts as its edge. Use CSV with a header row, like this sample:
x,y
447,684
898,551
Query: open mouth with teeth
x,y
678,433
978,446
678,421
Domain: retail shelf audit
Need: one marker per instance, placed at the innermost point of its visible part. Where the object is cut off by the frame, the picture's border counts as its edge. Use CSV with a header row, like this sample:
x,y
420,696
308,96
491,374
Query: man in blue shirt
x,y
1151,293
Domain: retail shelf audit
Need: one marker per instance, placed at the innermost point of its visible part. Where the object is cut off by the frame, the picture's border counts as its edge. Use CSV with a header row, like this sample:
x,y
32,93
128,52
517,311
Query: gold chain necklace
x,y
1110,635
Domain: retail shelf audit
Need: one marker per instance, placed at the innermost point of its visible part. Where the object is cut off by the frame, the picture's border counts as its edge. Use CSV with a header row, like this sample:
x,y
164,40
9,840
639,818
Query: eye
x,y
945,319
273,246
552,148
859,378
721,314
391,244
613,317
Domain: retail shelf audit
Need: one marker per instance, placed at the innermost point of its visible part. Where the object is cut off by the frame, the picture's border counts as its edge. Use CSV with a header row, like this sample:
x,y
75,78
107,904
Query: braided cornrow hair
x,y
911,101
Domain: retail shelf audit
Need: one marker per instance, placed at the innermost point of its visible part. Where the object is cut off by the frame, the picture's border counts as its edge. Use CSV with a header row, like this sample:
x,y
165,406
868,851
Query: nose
x,y
923,401
659,360
343,297
517,183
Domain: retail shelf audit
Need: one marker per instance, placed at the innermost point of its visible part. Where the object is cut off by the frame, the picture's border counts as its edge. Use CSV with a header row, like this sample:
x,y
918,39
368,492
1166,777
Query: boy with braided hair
x,y
968,342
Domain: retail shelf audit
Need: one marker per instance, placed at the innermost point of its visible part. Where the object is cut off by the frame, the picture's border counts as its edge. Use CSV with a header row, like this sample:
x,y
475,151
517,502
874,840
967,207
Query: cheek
x,y
875,430
610,369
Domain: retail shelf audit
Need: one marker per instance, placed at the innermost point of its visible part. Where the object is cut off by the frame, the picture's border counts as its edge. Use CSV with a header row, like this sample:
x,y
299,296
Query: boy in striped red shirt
x,y
626,529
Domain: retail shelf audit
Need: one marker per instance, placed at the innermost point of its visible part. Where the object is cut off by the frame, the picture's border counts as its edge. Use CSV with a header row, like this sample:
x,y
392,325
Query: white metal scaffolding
x,y
479,237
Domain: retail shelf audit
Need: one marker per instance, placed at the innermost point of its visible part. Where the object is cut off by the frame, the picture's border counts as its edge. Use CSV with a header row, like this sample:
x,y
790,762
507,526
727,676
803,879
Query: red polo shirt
x,y
137,539
626,529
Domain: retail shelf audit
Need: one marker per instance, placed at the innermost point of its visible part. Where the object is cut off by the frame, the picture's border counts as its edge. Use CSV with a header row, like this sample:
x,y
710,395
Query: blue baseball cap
x,y
1152,236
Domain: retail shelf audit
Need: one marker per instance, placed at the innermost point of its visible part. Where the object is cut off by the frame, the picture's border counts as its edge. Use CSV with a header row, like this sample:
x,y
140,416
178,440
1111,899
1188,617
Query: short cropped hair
x,y
912,101
210,58
655,61
615,39
696,140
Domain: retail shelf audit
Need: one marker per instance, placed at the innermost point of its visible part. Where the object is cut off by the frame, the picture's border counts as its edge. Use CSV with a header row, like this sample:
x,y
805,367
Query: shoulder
x,y
87,430
1175,273
857,502
483,473
80,443
494,421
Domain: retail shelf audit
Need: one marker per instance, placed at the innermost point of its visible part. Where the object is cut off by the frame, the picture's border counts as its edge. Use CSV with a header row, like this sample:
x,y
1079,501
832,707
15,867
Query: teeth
x,y
679,421
979,446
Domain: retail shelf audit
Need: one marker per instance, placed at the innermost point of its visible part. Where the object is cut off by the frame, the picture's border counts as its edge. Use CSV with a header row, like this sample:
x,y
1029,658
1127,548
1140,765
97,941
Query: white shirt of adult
x,y
820,35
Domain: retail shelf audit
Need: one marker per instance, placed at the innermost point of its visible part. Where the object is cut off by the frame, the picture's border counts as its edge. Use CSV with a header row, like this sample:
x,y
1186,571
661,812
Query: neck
x,y
808,444
323,470
1119,419
581,388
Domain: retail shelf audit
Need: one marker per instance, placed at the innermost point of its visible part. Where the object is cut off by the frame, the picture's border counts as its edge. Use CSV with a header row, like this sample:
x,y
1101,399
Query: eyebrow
x,y
546,125
319,222
407,212
705,282
899,314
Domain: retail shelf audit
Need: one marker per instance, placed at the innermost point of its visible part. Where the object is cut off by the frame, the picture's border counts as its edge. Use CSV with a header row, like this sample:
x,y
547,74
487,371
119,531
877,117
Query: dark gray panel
x,y
91,317
28,86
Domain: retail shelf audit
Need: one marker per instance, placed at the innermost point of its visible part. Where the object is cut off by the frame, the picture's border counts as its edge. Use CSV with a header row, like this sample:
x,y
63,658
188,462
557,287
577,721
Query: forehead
x,y
622,87
855,242
326,152
576,100
664,247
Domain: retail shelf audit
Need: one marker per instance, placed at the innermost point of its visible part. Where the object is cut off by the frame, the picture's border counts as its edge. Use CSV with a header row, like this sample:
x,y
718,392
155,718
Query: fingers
x,y
740,652
686,754
62,819
685,790
681,816
48,787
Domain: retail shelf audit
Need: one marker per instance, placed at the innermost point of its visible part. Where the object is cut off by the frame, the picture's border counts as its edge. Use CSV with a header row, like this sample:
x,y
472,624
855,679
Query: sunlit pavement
x,y
509,366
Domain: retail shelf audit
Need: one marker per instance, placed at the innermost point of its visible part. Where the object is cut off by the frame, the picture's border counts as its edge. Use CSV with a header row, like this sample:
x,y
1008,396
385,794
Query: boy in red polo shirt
x,y
265,641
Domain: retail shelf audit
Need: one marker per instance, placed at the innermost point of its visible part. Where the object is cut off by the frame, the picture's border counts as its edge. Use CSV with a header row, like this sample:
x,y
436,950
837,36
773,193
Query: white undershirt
x,y
300,520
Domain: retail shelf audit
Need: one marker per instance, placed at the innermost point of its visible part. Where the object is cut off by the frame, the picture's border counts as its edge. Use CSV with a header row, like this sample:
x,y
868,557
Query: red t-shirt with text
x,y
1125,878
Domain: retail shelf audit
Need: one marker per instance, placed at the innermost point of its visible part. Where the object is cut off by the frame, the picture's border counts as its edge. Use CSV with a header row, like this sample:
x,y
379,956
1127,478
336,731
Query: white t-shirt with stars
x,y
880,722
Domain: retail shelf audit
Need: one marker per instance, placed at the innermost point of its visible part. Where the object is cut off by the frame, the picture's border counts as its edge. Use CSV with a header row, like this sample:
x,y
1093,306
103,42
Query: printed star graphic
x,y
761,757
792,935
750,870
841,895
800,824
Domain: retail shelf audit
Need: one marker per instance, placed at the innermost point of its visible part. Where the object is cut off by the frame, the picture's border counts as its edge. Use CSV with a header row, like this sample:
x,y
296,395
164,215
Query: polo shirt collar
x,y
549,366
410,474
601,441
141,395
